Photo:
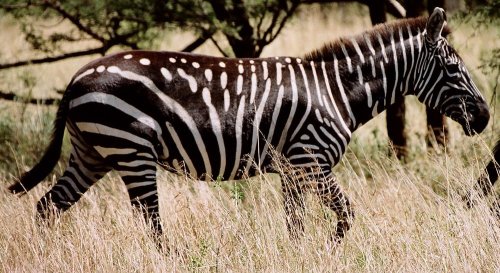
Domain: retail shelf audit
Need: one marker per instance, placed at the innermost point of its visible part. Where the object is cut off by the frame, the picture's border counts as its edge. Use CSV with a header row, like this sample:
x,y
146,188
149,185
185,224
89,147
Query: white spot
x,y
166,73
277,58
226,100
223,80
145,61
127,57
240,69
183,61
172,60
252,61
299,60
240,61
196,65
113,69
221,64
101,69
191,80
288,60
208,74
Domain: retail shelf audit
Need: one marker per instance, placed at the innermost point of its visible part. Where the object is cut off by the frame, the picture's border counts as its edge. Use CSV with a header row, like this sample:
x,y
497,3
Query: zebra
x,y
223,118
487,179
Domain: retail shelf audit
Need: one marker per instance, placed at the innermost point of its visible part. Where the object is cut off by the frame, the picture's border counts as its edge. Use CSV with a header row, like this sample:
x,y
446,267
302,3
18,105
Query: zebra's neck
x,y
366,82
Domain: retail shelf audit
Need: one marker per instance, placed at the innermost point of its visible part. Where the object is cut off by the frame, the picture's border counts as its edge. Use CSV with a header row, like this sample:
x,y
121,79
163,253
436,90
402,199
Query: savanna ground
x,y
410,216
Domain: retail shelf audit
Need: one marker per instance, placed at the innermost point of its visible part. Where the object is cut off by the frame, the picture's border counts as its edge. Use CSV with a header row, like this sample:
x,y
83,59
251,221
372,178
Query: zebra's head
x,y
445,84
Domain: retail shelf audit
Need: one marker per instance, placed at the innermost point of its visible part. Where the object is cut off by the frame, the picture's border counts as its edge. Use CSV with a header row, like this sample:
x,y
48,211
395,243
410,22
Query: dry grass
x,y
409,217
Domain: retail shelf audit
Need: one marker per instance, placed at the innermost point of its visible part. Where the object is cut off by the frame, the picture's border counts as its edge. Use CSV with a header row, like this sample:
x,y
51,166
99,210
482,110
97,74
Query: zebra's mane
x,y
386,31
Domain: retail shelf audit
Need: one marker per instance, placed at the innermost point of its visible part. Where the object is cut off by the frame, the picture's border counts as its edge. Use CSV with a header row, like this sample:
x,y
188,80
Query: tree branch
x,y
198,42
56,5
99,50
13,97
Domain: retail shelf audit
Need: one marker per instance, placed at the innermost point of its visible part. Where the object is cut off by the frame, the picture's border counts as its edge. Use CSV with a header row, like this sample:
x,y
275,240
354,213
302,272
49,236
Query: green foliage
x,y
24,137
247,25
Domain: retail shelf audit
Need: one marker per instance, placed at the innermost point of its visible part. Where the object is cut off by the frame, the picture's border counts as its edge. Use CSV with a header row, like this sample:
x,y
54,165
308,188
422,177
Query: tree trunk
x,y
395,114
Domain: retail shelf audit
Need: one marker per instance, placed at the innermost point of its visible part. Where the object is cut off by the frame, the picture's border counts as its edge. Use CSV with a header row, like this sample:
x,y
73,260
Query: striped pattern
x,y
217,118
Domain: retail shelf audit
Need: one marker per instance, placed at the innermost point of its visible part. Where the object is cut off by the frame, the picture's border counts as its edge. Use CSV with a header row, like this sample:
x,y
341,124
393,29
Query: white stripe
x,y
342,94
216,128
86,73
239,84
137,173
278,73
264,68
358,50
223,80
291,115
310,156
311,128
105,151
97,128
330,136
368,94
139,184
396,80
382,47
318,92
272,126
348,59
79,179
360,74
191,80
174,107
372,62
146,195
137,163
126,108
309,103
239,130
256,122
182,151
253,88
226,100
369,43
302,146
384,80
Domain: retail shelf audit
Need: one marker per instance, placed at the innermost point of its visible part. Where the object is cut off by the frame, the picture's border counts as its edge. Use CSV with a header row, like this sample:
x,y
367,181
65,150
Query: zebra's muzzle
x,y
476,121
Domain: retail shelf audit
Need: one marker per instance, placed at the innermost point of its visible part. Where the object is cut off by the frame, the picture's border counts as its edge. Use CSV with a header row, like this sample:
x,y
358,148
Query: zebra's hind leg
x,y
332,196
81,173
294,206
139,177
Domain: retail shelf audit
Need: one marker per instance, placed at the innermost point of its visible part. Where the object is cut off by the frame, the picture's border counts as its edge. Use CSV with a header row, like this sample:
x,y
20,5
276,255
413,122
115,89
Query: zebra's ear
x,y
435,25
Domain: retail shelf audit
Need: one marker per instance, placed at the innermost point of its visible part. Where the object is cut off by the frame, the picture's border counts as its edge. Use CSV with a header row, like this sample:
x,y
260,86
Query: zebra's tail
x,y
31,178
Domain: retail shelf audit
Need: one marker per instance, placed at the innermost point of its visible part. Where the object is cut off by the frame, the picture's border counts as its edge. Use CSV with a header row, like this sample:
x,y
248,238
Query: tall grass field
x,y
410,216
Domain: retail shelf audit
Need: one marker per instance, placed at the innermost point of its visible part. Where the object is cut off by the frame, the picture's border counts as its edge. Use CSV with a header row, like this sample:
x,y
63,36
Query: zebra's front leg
x,y
294,206
332,196
140,179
